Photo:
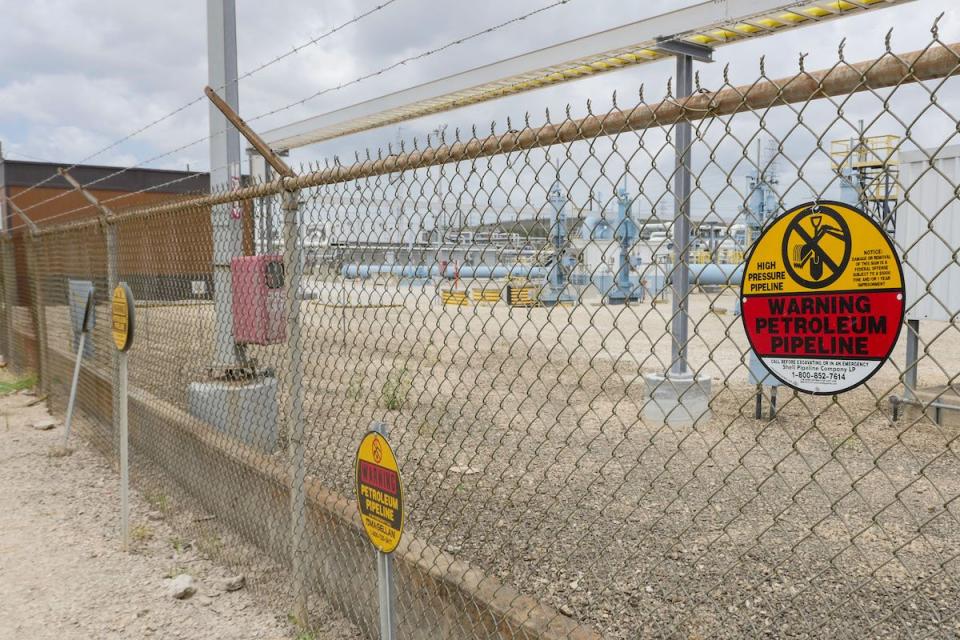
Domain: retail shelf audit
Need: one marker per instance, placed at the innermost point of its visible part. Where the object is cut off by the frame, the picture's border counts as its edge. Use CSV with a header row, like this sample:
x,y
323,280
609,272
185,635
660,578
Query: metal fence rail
x,y
463,293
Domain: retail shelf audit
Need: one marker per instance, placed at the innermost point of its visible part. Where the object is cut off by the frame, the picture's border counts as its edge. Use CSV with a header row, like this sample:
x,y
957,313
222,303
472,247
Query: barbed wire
x,y
66,193
296,49
413,58
341,86
128,194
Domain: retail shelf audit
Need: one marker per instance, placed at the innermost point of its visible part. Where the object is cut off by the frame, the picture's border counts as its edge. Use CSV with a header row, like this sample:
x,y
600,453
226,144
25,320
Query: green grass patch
x,y
12,386
395,389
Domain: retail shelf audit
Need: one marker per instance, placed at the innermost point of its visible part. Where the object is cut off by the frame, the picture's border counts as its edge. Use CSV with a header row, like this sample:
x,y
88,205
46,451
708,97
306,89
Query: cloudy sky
x,y
77,76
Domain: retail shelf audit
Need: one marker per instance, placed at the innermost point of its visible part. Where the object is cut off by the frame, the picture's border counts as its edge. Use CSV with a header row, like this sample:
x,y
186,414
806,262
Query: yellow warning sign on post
x,y
121,315
379,492
822,295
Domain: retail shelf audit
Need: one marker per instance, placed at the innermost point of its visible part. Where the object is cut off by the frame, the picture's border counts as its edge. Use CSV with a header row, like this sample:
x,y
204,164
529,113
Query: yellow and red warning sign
x,y
823,297
379,492
121,317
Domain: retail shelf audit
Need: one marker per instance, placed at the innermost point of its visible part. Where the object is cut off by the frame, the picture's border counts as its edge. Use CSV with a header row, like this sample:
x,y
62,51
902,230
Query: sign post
x,y
380,503
121,327
85,325
823,297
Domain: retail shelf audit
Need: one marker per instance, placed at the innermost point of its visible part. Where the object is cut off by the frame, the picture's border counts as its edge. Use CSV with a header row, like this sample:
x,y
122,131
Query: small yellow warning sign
x,y
379,492
121,315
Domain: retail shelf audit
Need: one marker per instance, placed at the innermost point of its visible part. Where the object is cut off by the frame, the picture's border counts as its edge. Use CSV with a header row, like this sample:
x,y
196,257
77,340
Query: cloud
x,y
58,142
79,75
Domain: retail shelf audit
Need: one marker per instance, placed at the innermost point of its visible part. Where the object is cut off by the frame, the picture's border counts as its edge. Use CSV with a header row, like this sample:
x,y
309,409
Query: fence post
x,y
40,328
293,265
9,293
33,273
293,365
112,279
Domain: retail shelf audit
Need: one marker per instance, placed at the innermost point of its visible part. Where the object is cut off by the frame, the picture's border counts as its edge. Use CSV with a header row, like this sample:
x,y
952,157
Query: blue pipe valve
x,y
626,234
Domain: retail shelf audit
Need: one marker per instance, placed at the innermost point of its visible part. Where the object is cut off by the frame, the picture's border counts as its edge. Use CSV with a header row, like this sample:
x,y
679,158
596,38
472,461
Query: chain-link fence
x,y
501,302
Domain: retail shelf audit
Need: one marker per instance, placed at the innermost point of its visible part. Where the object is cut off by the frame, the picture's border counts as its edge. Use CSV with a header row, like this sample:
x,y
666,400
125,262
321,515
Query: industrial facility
x,y
604,249
674,356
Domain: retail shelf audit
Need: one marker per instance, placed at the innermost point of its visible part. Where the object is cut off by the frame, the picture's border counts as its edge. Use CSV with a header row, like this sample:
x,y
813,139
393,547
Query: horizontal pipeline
x,y
364,271
701,274
713,274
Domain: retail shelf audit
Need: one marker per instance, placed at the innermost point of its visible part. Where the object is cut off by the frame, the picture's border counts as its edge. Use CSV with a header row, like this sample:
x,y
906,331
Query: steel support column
x,y
224,174
680,278
913,357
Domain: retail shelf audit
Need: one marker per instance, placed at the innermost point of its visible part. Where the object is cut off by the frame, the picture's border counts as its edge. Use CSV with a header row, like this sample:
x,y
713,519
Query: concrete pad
x,y
676,400
243,410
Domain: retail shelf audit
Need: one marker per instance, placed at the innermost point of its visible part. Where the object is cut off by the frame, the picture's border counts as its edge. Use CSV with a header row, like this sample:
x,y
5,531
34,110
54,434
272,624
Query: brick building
x,y
162,257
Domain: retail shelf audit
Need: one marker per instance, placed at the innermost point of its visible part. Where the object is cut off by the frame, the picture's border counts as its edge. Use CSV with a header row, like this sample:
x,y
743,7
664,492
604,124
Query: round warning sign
x,y
121,317
823,297
379,492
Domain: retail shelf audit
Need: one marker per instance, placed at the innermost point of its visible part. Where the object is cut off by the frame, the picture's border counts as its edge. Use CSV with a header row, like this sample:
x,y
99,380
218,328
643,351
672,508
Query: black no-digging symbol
x,y
816,247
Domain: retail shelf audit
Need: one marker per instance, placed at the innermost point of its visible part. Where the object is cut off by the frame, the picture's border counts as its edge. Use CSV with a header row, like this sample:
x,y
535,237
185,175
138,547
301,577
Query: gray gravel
x,y
524,453
63,574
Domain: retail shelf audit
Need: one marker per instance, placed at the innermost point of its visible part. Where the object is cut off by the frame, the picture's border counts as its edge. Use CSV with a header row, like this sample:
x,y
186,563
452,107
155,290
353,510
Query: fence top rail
x,y
933,62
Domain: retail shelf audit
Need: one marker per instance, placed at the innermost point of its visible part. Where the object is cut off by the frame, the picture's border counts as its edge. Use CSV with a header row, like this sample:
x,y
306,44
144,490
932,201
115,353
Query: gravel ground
x,y
62,572
525,452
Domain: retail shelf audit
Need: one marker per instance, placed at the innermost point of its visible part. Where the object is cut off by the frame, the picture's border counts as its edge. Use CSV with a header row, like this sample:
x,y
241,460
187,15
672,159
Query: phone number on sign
x,y
832,376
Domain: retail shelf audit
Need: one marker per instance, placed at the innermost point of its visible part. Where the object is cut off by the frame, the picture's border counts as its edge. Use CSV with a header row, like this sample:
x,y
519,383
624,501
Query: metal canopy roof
x,y
710,23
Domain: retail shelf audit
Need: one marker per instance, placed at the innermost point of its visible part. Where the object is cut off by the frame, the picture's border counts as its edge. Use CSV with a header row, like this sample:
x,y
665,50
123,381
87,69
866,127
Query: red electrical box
x,y
258,303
